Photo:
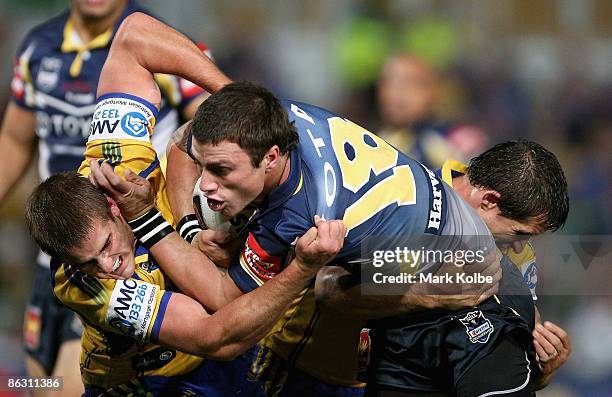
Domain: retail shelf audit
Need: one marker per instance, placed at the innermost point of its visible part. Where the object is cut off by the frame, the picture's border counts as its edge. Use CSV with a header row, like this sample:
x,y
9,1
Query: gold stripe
x,y
299,184
248,269
447,170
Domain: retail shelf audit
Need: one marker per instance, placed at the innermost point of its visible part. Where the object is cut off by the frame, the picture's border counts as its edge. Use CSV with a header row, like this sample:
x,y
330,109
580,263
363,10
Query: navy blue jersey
x,y
342,171
56,76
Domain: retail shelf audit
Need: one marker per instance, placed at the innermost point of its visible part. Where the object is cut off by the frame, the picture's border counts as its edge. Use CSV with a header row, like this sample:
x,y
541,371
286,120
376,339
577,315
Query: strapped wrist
x,y
150,228
188,227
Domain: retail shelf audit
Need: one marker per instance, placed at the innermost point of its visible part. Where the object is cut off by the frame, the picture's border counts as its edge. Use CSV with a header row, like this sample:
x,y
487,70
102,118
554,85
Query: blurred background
x,y
471,73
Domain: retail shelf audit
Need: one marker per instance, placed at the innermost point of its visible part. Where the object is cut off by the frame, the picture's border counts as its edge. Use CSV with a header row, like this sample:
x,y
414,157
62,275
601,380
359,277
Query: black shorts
x,y
506,371
431,351
47,322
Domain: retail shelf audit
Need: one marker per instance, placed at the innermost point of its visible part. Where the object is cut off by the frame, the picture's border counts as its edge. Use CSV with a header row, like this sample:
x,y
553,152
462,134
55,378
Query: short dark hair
x,y
61,211
528,178
248,115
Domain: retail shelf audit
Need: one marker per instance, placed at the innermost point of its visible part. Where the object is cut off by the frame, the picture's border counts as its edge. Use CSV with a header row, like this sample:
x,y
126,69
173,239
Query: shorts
x,y
433,351
506,371
47,322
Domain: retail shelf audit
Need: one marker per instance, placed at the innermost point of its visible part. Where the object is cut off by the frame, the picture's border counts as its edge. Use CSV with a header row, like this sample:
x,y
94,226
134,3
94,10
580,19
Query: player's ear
x,y
112,204
271,159
490,200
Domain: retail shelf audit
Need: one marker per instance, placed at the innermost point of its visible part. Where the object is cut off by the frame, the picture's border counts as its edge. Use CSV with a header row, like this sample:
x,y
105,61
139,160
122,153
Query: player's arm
x,y
340,292
143,46
17,145
246,320
181,174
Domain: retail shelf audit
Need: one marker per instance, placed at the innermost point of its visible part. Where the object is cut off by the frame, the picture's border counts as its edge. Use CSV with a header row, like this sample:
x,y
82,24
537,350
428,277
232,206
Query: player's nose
x,y
207,184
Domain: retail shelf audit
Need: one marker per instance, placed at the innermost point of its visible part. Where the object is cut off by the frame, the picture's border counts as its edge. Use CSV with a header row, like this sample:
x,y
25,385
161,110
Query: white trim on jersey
x,y
43,100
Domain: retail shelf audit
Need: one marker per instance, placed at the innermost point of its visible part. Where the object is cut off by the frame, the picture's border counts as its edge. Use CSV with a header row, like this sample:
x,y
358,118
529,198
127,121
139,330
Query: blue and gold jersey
x,y
338,171
56,76
122,318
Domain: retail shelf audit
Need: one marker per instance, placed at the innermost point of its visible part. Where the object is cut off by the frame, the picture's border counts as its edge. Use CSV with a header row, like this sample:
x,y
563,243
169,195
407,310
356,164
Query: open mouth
x,y
215,205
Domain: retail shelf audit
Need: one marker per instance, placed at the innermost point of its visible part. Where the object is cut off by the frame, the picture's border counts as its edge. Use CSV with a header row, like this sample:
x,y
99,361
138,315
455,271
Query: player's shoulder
x,y
147,268
48,34
309,113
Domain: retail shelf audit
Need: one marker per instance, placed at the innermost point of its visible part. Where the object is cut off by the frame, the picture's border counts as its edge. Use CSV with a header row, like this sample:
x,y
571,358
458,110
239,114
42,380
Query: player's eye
x,y
107,244
219,171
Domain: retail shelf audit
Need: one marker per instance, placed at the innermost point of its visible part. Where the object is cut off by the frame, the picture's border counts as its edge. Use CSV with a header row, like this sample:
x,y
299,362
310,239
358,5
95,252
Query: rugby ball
x,y
214,220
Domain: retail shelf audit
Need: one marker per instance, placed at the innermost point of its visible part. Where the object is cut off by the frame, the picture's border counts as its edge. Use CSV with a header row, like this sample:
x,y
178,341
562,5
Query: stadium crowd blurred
x,y
498,70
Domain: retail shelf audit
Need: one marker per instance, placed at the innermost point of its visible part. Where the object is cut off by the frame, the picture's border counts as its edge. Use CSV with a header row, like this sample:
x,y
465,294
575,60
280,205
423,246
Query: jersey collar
x,y
451,169
290,187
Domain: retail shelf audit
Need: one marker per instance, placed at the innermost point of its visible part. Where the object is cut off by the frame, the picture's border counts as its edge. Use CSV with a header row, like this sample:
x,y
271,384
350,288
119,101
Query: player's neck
x,y
465,189
277,176
90,28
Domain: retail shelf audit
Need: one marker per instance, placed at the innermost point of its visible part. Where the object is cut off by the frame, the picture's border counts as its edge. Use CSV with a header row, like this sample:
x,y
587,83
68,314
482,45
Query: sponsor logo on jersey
x,y
135,124
148,266
478,327
436,203
131,307
121,118
17,84
48,75
32,324
258,261
363,350
62,125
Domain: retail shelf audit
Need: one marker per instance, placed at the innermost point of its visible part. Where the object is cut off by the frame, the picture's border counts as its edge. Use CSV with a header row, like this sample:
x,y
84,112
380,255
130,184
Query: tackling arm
x,y
247,319
143,46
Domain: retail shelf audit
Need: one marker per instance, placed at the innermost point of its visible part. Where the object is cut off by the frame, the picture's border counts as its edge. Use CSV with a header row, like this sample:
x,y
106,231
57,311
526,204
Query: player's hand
x,y
320,244
134,194
553,347
455,296
220,246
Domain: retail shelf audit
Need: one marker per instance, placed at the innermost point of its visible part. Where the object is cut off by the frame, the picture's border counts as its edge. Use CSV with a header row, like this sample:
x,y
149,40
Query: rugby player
x,y
114,284
433,353
274,171
53,98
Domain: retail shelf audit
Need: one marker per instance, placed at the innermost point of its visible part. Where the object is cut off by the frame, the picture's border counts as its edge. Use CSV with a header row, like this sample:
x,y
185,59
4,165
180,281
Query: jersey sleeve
x,y
22,87
131,307
262,257
269,248
120,134
525,261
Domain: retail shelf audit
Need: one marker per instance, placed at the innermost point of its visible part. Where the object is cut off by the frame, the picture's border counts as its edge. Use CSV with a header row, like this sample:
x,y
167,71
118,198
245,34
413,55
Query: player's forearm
x,y
339,292
249,318
181,175
191,271
161,49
